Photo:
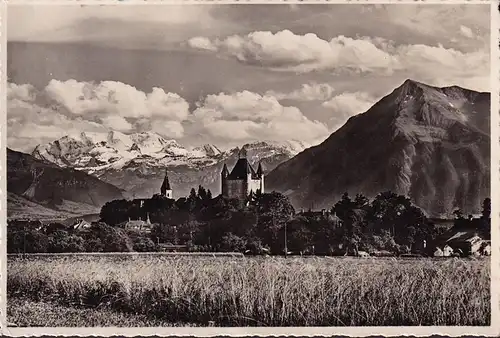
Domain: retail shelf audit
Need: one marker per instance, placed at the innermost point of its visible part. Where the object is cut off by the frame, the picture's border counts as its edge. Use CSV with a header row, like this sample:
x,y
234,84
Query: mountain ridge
x,y
136,163
443,130
52,187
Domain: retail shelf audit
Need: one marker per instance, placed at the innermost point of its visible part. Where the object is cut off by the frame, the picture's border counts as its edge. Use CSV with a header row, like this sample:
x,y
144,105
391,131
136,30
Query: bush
x,y
144,244
62,241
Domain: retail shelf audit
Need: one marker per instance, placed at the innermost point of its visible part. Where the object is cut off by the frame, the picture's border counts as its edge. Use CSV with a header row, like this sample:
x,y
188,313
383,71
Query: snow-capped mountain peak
x,y
131,161
208,150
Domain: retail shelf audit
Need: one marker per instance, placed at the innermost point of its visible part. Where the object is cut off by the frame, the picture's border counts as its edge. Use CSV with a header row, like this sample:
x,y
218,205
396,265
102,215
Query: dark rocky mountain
x,y
431,144
45,186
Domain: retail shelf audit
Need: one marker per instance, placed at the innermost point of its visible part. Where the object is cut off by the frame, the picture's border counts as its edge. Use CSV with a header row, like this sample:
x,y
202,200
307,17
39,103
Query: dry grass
x,y
28,313
264,291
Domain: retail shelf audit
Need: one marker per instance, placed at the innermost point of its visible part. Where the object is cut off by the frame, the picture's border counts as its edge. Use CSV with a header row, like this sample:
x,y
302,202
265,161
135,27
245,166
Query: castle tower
x,y
224,174
166,190
242,180
260,175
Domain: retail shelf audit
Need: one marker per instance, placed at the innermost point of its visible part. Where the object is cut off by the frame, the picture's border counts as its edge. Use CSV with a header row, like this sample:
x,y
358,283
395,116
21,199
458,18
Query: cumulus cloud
x,y
30,123
111,97
65,107
285,50
348,104
70,107
24,92
119,106
308,92
247,116
466,31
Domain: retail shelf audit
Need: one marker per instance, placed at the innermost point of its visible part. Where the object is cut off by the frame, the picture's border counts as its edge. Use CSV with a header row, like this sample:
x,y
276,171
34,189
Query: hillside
x,y
136,163
431,144
44,188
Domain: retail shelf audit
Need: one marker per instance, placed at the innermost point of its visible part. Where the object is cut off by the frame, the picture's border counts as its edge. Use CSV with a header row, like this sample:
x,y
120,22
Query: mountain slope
x,y
53,187
429,143
136,163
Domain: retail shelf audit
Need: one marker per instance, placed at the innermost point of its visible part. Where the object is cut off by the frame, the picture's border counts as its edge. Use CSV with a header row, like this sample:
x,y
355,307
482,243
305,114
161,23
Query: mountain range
x,y
431,144
137,162
48,191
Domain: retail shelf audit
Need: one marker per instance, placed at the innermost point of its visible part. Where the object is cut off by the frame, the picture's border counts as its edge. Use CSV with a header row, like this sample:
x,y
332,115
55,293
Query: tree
x,y
114,239
62,241
202,193
232,243
273,210
486,218
94,245
486,212
116,211
342,207
361,201
192,194
26,240
144,244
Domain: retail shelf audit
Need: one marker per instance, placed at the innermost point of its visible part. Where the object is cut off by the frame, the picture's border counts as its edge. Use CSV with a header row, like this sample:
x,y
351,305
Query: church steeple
x,y
166,190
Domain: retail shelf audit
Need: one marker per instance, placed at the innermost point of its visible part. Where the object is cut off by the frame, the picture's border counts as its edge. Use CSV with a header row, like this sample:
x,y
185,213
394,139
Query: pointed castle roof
x,y
241,170
166,184
260,170
225,171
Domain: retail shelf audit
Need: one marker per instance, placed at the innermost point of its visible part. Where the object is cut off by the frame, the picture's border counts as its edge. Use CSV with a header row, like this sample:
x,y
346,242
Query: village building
x,y
82,224
139,224
166,189
466,242
243,180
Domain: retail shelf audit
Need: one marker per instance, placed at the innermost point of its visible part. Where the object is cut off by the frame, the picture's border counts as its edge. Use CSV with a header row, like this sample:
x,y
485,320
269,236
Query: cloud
x,y
466,31
201,42
64,107
348,104
71,107
119,106
308,92
70,23
286,50
436,65
25,92
30,123
247,116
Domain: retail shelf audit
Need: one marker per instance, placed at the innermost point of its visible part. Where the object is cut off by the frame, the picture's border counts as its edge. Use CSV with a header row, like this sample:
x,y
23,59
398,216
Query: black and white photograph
x,y
239,165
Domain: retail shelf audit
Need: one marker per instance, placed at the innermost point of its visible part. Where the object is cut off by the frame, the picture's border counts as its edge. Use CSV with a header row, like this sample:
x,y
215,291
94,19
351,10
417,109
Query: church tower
x,y
224,174
166,190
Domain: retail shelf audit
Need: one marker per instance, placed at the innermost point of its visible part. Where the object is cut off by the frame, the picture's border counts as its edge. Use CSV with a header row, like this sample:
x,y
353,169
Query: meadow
x,y
231,291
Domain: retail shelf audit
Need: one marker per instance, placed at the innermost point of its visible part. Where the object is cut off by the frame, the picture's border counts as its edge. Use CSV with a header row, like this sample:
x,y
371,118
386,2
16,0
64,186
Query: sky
x,y
228,74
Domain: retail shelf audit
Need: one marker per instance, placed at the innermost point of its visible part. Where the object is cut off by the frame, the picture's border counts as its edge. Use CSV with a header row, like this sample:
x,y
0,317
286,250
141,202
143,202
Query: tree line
x,y
265,223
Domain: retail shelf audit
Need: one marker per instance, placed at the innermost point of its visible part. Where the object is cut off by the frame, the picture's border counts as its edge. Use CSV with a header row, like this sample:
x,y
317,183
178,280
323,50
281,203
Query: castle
x,y
242,180
165,189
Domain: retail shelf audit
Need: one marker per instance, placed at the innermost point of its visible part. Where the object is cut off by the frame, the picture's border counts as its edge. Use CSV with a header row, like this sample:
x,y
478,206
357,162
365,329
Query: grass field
x,y
225,291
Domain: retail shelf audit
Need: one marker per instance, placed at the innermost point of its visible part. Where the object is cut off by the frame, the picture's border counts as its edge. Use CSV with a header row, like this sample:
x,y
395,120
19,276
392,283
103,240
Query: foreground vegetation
x,y
257,291
389,223
24,312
